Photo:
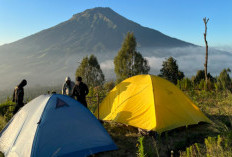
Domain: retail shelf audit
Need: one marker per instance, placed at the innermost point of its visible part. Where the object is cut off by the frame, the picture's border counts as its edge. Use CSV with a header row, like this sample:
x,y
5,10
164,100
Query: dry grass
x,y
197,140
217,106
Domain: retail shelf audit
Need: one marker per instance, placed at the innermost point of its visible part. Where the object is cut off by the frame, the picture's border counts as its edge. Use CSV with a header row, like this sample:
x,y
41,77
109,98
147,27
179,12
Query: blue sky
x,y
177,18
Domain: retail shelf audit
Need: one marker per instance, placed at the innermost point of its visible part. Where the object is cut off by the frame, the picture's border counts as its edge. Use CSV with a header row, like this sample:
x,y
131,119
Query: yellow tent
x,y
149,102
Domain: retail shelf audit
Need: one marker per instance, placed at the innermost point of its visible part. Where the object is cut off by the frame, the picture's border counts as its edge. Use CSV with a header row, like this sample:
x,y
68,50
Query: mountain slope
x,y
94,30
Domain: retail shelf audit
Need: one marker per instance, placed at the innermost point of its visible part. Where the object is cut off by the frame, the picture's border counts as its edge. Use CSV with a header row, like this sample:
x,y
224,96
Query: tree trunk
x,y
206,52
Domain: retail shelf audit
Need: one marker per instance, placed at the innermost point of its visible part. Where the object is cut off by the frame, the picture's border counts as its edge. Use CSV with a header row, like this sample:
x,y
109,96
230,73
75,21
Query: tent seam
x,y
36,132
153,98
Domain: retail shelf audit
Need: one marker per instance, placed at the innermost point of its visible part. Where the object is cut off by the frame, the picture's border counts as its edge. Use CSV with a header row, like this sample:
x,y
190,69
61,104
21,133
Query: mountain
x,y
94,30
47,57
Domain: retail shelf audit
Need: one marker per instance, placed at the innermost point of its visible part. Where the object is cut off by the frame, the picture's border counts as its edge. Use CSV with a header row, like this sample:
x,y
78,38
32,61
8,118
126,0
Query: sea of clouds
x,y
189,60
50,69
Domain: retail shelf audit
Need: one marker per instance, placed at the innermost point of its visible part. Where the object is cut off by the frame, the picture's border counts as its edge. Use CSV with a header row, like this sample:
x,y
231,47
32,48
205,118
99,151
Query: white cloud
x,y
155,62
107,65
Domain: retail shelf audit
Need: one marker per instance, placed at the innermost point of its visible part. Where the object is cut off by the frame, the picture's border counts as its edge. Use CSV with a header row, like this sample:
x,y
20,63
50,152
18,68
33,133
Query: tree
x,y
206,50
129,62
185,84
108,86
224,81
201,76
90,71
170,70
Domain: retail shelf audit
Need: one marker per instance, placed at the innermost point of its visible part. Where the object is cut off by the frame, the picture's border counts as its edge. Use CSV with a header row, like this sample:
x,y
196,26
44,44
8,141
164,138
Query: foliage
x,y
210,85
6,109
95,96
200,75
201,85
141,147
224,81
6,112
213,146
4,106
170,70
129,61
108,86
197,140
2,122
90,71
185,84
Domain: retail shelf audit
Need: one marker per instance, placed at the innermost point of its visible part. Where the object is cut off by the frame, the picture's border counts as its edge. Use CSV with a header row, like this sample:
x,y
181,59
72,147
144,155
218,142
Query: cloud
x,y
53,68
227,48
190,59
107,65
155,62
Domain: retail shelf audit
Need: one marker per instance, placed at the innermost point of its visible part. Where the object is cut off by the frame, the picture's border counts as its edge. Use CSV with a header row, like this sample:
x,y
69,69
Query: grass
x,y
192,141
2,122
196,140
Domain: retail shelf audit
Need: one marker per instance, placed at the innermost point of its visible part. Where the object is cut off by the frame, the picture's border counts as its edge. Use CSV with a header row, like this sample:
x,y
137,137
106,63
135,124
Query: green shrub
x,y
224,81
201,85
108,86
185,84
4,107
2,123
9,113
213,146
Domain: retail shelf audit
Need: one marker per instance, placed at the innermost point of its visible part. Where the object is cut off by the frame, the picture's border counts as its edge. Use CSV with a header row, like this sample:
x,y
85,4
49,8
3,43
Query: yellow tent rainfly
x,y
149,102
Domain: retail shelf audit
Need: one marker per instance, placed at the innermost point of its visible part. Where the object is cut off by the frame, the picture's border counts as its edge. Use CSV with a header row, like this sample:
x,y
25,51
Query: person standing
x,y
18,95
68,87
80,91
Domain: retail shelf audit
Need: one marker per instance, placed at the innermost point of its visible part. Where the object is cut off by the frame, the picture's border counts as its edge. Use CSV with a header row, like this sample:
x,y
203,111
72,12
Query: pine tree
x,y
170,70
129,62
90,71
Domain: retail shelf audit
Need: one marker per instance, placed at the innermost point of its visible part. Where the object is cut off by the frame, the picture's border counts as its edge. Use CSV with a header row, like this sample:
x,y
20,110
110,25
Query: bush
x,y
201,85
6,110
4,107
224,81
213,146
185,84
9,113
2,123
108,86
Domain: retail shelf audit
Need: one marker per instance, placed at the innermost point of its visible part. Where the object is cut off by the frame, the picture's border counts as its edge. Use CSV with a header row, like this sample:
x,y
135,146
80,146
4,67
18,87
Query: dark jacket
x,y
80,91
18,95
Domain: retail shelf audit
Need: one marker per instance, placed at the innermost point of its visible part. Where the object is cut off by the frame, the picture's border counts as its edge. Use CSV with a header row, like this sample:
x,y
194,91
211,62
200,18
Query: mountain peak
x,y
97,10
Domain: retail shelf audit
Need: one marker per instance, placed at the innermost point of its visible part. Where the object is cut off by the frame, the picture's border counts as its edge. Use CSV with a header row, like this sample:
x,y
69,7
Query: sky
x,y
182,19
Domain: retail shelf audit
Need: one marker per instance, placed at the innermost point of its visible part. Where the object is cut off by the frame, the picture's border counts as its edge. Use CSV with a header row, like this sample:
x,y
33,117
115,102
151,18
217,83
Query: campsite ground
x,y
198,140
186,141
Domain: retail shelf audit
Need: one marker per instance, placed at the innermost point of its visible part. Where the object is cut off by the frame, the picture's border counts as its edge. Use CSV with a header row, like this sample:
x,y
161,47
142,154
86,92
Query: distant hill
x,y
47,57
